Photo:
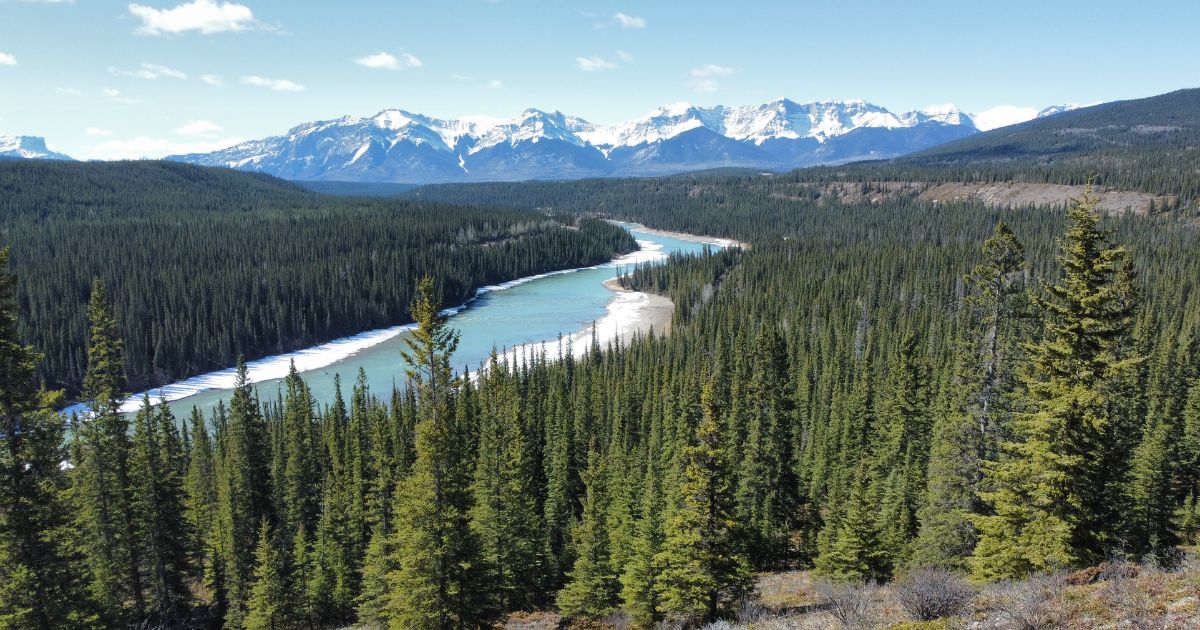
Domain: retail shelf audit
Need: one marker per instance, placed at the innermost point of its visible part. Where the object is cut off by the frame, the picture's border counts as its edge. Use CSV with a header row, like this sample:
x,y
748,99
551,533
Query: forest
x,y
205,265
866,390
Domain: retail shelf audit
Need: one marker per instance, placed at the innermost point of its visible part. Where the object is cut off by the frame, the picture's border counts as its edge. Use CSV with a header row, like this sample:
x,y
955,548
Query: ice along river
x,y
529,311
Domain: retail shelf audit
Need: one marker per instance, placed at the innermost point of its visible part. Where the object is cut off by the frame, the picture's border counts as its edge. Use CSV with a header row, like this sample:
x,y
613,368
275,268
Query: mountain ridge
x,y
395,145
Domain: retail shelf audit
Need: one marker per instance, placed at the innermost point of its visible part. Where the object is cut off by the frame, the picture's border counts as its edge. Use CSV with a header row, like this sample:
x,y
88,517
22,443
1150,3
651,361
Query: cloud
x,y
97,131
212,79
115,96
278,85
147,147
203,16
624,56
494,84
703,80
711,70
7,59
388,61
594,64
199,128
68,91
629,21
149,71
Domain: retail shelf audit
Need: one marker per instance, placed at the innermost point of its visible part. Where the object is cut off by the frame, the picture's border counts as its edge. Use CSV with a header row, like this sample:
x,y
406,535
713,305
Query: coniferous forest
x,y
205,265
865,390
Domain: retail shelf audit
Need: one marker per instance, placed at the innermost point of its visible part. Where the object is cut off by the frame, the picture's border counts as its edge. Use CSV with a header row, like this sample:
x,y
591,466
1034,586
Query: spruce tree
x,y
504,515
267,605
101,486
703,572
158,505
39,587
1052,490
591,589
441,579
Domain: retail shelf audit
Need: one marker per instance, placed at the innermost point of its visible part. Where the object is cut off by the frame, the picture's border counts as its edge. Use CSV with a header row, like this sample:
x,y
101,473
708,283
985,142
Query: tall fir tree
x,y
591,588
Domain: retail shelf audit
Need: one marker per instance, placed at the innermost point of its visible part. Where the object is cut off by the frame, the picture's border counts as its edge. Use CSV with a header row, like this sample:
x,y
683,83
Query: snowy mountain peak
x,y
27,148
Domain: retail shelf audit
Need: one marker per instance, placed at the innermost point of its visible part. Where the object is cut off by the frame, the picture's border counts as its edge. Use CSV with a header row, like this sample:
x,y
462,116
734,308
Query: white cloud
x,y
68,91
115,96
97,131
703,80
147,147
594,64
278,85
388,61
7,59
494,84
624,56
629,21
203,16
199,128
212,79
149,71
711,70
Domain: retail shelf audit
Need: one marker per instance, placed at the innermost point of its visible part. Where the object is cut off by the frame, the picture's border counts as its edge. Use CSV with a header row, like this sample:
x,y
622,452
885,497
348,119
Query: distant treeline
x,y
204,265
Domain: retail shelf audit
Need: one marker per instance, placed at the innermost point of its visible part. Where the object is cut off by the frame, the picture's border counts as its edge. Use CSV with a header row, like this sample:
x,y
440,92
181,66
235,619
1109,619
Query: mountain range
x,y
398,146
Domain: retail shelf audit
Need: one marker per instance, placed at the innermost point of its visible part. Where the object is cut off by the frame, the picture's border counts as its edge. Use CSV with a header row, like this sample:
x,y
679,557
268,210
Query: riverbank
x,y
648,312
698,238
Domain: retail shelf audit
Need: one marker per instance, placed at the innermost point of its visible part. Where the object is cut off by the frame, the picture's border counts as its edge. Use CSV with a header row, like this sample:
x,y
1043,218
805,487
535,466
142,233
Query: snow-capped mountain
x,y
399,146
27,148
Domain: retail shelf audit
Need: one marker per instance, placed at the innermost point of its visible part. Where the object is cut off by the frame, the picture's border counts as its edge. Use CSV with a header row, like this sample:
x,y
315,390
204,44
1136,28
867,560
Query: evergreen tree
x,y
441,579
101,486
703,572
38,583
966,429
1052,490
267,606
591,589
158,505
504,515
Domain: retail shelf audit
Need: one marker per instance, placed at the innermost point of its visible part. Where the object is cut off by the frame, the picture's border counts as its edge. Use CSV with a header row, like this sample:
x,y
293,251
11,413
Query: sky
x,y
110,80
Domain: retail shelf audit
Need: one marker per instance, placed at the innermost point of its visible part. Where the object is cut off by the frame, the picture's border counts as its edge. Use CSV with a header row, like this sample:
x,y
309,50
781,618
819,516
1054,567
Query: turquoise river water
x,y
530,312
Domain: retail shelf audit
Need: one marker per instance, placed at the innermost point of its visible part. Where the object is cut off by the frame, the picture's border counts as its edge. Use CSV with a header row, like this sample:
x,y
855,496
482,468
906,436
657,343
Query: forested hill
x,y
203,265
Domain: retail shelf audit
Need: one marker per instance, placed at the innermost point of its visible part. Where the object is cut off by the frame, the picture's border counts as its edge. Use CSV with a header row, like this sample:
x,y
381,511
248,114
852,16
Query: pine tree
x,y
703,572
855,551
1052,490
266,608
639,581
38,583
591,589
440,582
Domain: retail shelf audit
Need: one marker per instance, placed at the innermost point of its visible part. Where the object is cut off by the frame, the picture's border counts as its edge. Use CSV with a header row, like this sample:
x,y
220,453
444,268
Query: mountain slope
x,y
399,146
1166,121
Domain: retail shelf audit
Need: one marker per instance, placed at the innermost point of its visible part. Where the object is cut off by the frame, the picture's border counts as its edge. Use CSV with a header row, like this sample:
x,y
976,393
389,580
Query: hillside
x,y
203,265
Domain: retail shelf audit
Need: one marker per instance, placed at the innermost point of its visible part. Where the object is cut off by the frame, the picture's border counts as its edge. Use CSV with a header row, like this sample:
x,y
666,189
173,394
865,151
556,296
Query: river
x,y
526,313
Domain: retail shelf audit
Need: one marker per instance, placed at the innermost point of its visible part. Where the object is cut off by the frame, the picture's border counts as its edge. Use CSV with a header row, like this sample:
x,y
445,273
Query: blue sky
x,y
103,79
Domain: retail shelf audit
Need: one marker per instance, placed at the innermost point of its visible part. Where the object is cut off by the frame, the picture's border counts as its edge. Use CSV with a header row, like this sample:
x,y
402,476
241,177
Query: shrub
x,y
931,593
852,605
1035,603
